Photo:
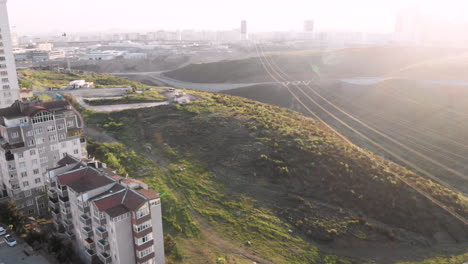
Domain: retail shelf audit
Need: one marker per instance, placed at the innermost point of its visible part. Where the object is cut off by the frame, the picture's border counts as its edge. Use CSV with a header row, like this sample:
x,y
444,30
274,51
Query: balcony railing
x,y
70,234
101,232
56,215
63,192
53,205
84,208
90,253
87,231
66,214
85,219
89,243
105,258
103,245
52,193
64,203
68,224
99,221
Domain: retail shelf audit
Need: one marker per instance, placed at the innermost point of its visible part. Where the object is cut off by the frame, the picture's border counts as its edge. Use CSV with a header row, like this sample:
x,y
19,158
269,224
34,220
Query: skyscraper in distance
x,y
244,29
9,89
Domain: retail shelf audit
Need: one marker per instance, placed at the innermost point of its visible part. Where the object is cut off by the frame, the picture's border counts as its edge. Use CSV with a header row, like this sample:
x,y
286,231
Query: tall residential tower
x,y
9,89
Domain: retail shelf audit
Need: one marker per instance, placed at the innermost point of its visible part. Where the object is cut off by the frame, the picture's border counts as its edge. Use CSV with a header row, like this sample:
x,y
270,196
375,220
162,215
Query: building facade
x,y
34,136
111,219
9,88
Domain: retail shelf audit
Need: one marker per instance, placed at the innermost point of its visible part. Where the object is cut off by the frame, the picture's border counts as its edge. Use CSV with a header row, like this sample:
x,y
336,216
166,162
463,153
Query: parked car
x,y
2,231
10,240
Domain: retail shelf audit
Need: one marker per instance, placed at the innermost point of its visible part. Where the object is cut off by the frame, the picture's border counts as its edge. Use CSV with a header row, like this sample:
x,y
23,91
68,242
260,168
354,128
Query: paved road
x,y
120,107
15,255
210,87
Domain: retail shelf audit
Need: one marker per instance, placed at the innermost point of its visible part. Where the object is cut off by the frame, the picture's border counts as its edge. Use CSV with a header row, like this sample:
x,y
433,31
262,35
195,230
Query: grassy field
x,y
49,79
266,181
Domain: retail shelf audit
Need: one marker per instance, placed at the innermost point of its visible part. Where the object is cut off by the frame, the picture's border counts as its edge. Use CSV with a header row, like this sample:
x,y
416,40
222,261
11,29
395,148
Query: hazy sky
x,y
27,16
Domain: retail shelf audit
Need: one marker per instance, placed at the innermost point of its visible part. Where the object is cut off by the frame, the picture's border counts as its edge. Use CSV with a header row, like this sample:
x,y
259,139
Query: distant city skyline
x,y
55,16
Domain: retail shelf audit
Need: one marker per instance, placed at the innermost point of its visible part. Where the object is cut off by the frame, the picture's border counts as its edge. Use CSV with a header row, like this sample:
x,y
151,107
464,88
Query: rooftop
x,y
84,179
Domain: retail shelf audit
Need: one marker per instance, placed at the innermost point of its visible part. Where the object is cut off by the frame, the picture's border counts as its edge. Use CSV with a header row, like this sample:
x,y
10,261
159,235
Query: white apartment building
x,y
110,218
9,88
34,135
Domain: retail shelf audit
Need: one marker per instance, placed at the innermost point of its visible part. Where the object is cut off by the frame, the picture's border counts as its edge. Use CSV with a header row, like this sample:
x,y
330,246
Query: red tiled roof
x,y
32,110
150,194
120,202
67,160
84,179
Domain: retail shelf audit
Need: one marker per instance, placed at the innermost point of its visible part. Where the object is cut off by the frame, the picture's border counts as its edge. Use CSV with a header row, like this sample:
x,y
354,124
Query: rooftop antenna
x,y
64,35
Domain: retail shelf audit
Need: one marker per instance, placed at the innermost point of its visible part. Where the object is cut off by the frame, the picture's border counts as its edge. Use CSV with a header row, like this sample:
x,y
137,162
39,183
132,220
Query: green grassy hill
x,y
369,61
271,181
242,182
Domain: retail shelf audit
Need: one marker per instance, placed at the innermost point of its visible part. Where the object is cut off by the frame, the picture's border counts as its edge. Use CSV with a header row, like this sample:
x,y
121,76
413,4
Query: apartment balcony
x,y
70,234
101,232
84,208
103,245
74,132
52,194
64,202
105,258
66,214
99,221
63,192
89,243
68,224
57,226
85,219
90,254
56,215
87,231
53,205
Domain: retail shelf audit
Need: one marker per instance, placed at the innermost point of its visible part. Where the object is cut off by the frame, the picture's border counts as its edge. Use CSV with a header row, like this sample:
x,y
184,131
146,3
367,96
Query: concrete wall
x,y
158,236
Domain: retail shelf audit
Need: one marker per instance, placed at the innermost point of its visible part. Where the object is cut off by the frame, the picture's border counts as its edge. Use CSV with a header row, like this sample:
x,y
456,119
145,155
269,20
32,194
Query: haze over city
x,y
263,15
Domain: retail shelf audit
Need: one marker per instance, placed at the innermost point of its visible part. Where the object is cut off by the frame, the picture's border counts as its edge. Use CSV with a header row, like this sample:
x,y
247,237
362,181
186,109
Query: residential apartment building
x,y
34,135
9,88
112,219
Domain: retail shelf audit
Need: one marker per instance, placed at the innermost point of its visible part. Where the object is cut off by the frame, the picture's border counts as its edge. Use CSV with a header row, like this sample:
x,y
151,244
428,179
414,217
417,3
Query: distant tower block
x,y
244,35
9,89
308,28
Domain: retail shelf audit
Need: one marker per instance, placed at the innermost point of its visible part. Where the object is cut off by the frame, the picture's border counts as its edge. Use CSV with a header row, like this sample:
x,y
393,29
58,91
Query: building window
x,y
22,165
155,202
64,144
37,180
75,151
27,193
41,150
61,136
32,152
14,135
41,205
70,123
25,184
142,226
30,133
60,126
36,171
52,138
29,202
34,162
142,212
15,186
38,130
143,240
24,174
44,159
31,211
20,155
50,128
145,252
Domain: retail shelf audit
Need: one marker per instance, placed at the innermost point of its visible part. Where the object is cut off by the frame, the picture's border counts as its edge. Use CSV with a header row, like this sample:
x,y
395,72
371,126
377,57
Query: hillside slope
x,y
361,62
279,180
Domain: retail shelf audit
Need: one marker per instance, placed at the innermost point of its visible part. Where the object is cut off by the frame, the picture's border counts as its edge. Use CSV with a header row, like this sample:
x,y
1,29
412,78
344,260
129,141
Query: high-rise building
x,y
34,135
244,34
111,219
309,26
9,88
